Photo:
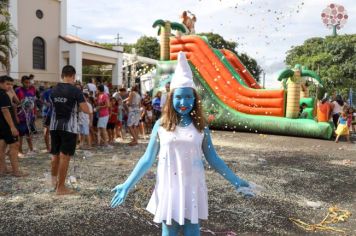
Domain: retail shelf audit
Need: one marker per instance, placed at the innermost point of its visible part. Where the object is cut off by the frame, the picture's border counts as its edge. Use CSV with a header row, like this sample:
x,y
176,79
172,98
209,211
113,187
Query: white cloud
x,y
263,29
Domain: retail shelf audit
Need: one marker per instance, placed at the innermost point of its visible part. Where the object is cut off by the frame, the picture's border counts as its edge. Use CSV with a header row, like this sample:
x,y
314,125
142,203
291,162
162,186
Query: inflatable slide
x,y
232,98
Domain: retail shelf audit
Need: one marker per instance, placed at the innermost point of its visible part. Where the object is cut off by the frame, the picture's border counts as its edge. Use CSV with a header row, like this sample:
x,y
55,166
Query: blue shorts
x,y
103,122
84,129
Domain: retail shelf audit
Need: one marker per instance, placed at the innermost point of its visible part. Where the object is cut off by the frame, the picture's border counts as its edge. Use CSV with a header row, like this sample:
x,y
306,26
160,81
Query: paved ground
x,y
302,179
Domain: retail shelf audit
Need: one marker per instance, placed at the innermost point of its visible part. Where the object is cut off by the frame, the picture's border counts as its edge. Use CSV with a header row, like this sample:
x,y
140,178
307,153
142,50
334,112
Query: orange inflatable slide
x,y
240,68
224,82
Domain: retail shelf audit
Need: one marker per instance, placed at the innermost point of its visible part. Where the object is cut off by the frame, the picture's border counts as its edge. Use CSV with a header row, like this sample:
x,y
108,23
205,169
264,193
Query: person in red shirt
x,y
103,105
112,120
324,109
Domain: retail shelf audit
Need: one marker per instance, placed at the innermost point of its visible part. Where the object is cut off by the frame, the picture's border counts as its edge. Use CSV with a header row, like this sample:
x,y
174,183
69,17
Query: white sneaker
x,y
20,155
31,153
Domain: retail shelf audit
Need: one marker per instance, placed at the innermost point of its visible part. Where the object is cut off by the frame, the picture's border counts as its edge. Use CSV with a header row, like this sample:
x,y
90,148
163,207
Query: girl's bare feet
x,y
65,191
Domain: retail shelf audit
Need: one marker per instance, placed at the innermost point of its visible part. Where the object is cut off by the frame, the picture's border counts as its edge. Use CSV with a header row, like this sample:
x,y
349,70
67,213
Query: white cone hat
x,y
183,76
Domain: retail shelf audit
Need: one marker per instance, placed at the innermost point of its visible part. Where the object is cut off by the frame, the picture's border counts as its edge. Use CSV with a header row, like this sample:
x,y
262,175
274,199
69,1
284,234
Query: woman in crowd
x,y
156,103
133,103
337,107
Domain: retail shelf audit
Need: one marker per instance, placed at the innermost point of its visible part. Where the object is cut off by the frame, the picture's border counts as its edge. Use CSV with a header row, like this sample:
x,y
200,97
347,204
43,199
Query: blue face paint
x,y
183,102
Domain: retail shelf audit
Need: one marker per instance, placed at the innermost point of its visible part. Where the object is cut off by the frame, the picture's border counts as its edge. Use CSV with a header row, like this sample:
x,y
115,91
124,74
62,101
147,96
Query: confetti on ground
x,y
334,216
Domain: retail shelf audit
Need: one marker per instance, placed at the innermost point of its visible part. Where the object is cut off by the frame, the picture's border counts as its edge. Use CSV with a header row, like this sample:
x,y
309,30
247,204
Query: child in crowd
x,y
302,113
149,117
349,112
342,129
120,112
142,121
85,121
94,121
112,120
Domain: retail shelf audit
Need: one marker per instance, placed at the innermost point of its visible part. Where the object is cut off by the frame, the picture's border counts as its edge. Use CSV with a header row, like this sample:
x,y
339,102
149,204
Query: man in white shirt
x,y
106,88
164,95
92,86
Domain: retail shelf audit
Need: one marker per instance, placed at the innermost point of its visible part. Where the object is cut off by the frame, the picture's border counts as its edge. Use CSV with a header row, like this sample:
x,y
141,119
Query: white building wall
x,y
48,28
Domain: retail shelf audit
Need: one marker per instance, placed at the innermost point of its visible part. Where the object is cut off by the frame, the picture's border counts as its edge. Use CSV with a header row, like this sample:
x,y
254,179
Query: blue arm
x,y
143,165
218,164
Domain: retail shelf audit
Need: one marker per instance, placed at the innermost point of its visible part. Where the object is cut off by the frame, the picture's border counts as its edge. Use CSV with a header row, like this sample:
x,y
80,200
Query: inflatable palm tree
x,y
164,31
293,79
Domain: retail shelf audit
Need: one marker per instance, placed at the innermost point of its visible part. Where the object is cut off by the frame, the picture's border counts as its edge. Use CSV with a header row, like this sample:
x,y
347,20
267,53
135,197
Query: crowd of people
x,y
113,113
73,115
340,113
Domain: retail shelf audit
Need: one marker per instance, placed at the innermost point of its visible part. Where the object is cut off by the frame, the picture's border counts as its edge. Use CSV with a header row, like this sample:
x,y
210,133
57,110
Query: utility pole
x,y
76,29
118,39
264,79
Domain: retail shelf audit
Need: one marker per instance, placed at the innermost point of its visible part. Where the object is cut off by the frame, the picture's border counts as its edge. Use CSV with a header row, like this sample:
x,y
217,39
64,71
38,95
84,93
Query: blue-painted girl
x,y
179,139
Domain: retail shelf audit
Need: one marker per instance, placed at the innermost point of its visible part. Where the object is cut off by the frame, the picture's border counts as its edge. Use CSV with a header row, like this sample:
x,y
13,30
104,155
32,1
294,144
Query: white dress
x,y
180,192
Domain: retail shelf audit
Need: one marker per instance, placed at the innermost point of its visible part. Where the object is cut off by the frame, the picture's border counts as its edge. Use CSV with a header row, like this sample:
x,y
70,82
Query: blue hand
x,y
121,192
143,165
241,183
247,192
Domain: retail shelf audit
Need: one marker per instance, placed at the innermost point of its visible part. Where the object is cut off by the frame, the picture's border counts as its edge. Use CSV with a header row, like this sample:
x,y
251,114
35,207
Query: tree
x,y
147,47
7,33
96,71
164,31
334,58
218,42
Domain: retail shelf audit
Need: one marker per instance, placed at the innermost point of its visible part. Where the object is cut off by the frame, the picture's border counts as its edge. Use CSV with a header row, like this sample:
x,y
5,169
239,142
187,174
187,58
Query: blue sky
x,y
265,30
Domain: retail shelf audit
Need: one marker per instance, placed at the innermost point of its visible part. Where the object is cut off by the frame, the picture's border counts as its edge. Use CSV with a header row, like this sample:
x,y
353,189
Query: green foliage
x,y
128,47
7,35
147,47
251,65
95,71
218,42
334,58
106,45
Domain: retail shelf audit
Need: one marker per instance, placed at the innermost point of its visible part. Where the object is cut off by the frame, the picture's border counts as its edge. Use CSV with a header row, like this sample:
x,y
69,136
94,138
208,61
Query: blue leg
x,y
190,229
170,230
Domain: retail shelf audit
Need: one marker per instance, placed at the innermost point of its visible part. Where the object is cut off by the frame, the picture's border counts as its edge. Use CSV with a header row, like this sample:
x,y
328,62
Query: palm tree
x,y
293,79
164,31
4,5
7,33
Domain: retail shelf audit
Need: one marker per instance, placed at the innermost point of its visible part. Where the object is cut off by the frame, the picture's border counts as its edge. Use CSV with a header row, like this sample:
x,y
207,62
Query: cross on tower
x,y
118,39
76,27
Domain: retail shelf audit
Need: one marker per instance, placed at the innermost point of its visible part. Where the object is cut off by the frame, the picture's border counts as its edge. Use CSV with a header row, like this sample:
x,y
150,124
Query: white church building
x,y
42,46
